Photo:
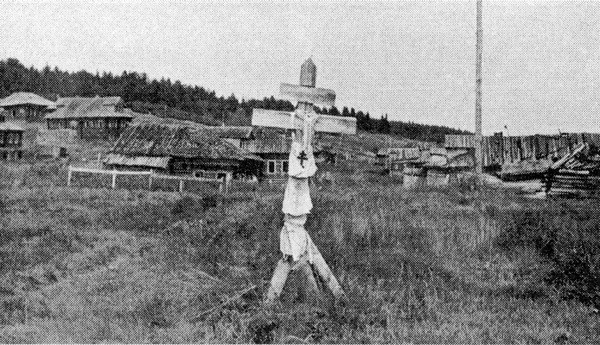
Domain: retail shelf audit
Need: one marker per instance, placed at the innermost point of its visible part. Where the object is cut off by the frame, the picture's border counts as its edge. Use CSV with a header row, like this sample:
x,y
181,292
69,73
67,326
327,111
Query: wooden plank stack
x,y
576,174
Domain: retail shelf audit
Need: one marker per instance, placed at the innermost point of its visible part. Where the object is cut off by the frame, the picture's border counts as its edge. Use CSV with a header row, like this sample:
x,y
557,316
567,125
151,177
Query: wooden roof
x,y
232,132
106,101
159,140
83,107
152,162
23,98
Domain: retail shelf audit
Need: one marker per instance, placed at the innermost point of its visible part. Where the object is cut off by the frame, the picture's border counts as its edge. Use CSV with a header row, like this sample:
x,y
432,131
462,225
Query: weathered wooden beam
x,y
278,280
305,94
114,179
324,123
563,160
308,287
325,272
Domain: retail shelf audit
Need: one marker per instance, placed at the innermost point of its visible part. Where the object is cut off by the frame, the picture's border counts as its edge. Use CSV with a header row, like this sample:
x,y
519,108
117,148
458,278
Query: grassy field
x,y
443,265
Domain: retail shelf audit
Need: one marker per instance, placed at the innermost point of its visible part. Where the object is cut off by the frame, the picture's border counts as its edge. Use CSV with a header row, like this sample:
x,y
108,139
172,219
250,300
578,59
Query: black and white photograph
x,y
300,172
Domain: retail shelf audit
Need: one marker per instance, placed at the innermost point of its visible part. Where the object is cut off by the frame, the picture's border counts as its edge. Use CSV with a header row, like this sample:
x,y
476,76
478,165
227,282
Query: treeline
x,y
173,99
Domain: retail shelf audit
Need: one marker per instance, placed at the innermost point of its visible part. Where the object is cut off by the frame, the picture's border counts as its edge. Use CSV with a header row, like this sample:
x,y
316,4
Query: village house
x,y
25,106
183,150
273,146
270,144
95,118
11,141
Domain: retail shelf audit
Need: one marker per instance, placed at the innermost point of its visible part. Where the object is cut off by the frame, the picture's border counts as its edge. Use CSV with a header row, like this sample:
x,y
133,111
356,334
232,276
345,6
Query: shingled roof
x,y
84,107
106,101
23,98
232,132
156,140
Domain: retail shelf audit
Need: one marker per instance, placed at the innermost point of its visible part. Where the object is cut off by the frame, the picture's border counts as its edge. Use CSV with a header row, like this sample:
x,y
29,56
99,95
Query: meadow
x,y
429,265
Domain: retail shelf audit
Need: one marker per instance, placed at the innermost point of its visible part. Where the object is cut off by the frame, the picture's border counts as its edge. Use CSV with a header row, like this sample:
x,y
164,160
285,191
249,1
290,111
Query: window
x,y
13,138
277,166
271,169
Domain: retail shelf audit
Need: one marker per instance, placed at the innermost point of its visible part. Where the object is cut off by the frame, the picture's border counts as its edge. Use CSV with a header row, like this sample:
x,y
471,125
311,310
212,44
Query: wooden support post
x,y
114,179
69,172
325,273
309,287
228,179
180,186
278,280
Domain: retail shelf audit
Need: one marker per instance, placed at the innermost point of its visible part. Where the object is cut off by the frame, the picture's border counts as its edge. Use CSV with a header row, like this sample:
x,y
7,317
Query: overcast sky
x,y
414,60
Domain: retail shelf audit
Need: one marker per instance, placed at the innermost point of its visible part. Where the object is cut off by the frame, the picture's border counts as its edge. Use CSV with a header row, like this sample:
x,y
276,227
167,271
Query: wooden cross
x,y
307,95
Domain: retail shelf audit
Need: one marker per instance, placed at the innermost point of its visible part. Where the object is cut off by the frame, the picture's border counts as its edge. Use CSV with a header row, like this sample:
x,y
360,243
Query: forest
x,y
187,102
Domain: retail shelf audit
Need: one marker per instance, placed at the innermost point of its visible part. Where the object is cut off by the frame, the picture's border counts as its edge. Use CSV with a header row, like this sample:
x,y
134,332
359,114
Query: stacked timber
x,y
575,183
576,174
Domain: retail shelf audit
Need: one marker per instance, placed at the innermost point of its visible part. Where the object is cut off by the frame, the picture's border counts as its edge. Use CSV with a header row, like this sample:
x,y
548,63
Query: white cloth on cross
x,y
293,238
301,158
296,198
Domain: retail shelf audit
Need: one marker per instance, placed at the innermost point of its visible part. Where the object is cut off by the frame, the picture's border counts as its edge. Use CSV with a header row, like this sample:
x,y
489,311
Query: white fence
x,y
224,183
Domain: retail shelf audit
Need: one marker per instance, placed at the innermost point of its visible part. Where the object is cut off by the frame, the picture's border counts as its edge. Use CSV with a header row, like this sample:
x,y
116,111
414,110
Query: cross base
x,y
318,267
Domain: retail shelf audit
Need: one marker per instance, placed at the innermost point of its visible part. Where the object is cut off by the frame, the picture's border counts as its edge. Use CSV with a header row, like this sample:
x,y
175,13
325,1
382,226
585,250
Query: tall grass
x,y
427,265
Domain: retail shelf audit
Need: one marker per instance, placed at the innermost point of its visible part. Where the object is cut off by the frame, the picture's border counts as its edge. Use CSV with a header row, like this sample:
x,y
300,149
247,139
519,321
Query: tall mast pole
x,y
478,134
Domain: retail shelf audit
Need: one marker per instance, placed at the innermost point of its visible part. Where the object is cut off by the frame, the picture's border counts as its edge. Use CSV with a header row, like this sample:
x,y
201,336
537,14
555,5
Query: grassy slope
x,y
91,265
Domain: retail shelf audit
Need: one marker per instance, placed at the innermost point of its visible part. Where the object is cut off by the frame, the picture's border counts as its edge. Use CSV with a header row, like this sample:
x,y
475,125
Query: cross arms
x,y
324,123
314,95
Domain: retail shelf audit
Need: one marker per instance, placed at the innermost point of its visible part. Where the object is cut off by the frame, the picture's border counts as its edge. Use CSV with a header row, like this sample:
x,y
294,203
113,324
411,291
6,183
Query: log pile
x,y
576,174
